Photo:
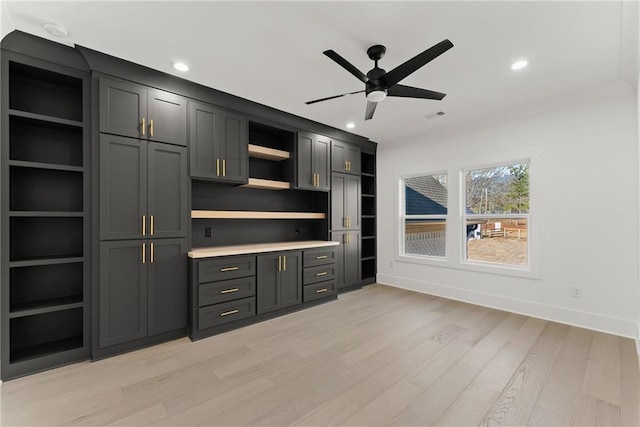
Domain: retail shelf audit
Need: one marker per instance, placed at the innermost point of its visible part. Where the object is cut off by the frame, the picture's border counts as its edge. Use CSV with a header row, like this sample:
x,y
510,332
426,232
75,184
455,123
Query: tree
x,y
518,189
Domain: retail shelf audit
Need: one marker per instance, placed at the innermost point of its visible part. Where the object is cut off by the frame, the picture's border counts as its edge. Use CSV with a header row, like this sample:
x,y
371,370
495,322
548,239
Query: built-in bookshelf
x,y
368,217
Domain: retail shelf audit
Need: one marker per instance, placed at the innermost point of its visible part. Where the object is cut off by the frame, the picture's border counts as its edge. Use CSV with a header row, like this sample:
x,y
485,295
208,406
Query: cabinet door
x,y
322,166
338,156
268,289
167,285
347,258
122,108
354,158
291,279
352,201
233,148
304,158
167,190
167,118
204,160
123,188
338,209
123,292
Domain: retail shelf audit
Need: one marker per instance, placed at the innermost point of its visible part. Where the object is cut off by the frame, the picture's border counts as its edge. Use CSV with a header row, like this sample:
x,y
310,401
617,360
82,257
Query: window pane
x,y
425,237
498,190
498,240
426,195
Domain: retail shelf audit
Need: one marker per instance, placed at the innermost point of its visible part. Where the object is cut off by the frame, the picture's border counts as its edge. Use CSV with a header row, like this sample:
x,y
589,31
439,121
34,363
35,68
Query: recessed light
x,y
519,65
56,30
181,66
351,125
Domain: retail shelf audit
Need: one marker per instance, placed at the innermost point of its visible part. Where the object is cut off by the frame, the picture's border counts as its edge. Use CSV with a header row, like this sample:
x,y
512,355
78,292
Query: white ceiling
x,y
271,52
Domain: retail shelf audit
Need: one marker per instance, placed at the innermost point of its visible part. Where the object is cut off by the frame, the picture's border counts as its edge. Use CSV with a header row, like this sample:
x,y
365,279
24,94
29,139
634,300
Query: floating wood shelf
x,y
255,215
261,152
267,184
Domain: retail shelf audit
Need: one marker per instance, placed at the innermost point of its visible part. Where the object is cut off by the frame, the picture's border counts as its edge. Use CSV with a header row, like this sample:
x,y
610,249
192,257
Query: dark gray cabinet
x,y
313,167
218,144
143,189
348,258
345,157
279,280
135,111
143,289
345,202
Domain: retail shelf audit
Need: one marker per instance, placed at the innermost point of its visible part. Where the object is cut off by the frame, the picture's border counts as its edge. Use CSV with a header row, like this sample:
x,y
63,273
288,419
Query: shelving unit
x,y
368,217
267,184
270,163
260,152
255,215
45,266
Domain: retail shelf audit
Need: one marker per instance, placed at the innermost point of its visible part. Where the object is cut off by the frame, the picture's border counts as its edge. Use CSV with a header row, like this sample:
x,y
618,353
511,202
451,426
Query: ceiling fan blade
x,y
414,92
403,70
371,108
346,65
332,97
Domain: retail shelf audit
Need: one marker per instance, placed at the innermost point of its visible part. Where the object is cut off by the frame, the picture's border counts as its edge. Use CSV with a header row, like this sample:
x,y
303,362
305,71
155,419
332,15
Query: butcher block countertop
x,y
258,248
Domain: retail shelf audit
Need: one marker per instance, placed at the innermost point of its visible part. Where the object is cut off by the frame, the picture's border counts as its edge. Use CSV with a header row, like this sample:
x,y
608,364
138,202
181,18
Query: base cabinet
x,y
279,280
142,289
348,258
319,273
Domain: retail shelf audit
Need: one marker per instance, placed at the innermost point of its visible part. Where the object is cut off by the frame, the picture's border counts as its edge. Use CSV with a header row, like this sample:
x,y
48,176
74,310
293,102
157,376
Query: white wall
x,y
589,190
6,24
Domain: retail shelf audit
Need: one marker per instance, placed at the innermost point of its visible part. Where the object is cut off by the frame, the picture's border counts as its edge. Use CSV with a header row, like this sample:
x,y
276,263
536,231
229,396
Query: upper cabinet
x,y
136,111
218,144
345,157
313,162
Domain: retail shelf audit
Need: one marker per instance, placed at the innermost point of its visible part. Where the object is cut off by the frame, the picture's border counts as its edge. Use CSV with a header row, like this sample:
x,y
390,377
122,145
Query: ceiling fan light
x,y
376,95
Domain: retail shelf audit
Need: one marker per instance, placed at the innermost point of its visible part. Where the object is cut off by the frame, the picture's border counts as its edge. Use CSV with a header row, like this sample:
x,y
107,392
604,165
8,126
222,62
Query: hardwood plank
x,y
543,417
517,400
470,407
629,383
383,409
331,413
595,412
602,376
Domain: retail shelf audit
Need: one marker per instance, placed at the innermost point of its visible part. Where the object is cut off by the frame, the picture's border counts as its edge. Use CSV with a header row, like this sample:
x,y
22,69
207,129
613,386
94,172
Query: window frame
x,y
404,217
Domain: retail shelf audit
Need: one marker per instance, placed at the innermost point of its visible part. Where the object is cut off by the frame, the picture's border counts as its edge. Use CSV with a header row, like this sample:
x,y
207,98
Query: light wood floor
x,y
378,356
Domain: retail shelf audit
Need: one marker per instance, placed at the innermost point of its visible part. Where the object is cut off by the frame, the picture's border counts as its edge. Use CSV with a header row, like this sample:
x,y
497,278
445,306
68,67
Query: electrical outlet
x,y
208,232
576,291
297,229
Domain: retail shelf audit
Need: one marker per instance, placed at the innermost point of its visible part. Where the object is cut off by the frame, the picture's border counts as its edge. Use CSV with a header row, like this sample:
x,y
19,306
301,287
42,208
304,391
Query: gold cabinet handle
x,y
323,273
143,126
151,226
229,291
279,263
144,253
224,167
217,167
230,269
226,313
284,263
151,127
151,249
144,225
319,291
321,257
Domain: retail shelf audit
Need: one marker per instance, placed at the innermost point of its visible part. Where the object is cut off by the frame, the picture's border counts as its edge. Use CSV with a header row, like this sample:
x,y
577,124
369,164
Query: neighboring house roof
x,y
425,195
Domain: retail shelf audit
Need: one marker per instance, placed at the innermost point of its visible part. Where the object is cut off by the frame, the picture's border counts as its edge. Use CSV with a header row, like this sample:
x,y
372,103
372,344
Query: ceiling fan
x,y
380,84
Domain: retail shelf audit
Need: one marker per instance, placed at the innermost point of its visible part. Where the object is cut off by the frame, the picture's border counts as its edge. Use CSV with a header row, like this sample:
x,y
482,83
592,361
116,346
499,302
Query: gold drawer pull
x,y
229,291
151,127
324,273
143,126
321,257
319,291
230,269
226,313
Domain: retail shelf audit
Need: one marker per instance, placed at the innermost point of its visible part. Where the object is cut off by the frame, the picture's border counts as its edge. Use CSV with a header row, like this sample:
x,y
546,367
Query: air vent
x,y
434,115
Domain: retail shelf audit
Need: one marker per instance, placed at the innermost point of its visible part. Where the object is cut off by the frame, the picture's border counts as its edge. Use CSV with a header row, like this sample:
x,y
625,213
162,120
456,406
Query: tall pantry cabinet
x,y
143,216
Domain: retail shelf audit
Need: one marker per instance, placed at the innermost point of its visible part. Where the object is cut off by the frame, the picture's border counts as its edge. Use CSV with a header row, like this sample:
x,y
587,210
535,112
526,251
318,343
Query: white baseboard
x,y
597,322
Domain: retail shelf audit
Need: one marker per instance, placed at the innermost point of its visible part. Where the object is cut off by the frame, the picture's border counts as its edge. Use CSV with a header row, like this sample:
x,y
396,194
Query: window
x,y
424,217
496,215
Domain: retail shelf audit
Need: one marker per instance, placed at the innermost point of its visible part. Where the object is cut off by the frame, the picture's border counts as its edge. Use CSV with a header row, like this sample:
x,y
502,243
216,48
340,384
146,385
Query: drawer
x,y
319,290
227,290
213,270
319,256
219,314
321,273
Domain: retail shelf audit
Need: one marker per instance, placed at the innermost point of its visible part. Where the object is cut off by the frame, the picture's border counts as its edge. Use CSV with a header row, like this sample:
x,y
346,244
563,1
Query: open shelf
x,y
267,184
45,190
368,163
368,248
260,152
47,166
43,334
46,306
50,214
34,262
44,118
368,207
255,215
44,92
34,238
45,285
368,268
368,185
40,141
